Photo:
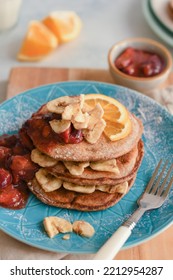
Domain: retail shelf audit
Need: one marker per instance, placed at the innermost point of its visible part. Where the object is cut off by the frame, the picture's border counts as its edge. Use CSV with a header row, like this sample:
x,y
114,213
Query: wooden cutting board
x,y
21,79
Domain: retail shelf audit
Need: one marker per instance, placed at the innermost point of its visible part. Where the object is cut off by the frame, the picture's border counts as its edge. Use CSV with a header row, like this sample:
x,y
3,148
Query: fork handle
x,y
114,244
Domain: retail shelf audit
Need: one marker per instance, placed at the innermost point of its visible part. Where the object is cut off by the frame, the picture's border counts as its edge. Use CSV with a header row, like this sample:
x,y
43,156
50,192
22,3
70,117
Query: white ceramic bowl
x,y
142,84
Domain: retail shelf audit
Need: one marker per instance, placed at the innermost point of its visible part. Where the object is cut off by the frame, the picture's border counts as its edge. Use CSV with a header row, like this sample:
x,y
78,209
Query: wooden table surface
x,y
21,79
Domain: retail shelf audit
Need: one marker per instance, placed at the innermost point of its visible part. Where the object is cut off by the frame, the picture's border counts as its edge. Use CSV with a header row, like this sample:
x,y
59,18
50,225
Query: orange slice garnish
x,y
118,123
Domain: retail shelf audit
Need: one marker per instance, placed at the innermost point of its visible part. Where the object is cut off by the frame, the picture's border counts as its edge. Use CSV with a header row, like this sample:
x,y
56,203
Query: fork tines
x,y
153,187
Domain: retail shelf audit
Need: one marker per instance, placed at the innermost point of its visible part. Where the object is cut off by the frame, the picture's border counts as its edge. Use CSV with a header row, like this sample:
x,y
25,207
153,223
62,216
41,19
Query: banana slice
x,y
58,105
47,181
96,115
53,225
75,168
83,228
42,159
78,188
120,188
95,125
59,126
92,135
105,165
80,121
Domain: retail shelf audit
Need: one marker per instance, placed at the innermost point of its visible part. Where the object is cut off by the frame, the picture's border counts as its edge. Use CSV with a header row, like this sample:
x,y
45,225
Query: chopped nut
x,y
78,188
75,111
53,225
80,121
83,228
75,168
47,181
93,135
86,108
59,126
42,159
96,115
69,111
105,165
66,237
95,125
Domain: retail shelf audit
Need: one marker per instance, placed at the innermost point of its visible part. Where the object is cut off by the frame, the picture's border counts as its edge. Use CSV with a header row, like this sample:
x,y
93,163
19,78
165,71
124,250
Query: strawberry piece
x,y
131,70
13,198
25,139
5,178
76,136
8,140
19,149
64,136
125,58
152,67
147,69
22,168
4,154
71,135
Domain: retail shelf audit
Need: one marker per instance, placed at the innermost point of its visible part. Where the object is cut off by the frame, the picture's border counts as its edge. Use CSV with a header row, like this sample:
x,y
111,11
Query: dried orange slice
x,y
38,42
118,123
66,25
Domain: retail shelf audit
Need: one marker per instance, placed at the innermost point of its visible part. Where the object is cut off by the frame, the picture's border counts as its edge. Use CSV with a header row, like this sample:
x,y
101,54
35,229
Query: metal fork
x,y
153,197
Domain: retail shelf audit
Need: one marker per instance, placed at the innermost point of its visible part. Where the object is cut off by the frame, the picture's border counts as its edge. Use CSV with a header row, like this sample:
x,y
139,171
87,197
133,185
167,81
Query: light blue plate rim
x,y
126,95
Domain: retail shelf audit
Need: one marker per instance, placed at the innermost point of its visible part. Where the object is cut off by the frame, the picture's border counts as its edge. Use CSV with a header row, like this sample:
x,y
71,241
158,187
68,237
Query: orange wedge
x,y
66,25
38,42
118,123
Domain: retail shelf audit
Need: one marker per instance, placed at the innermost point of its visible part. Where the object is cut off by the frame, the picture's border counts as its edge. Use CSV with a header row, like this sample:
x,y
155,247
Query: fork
x,y
153,197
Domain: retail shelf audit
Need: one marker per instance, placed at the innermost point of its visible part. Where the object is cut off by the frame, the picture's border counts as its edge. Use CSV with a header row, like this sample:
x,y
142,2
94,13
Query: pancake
x,y
44,139
86,202
72,200
102,180
76,176
125,164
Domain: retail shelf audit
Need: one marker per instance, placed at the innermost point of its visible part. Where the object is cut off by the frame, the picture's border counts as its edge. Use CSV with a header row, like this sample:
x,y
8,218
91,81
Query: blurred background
x,y
104,23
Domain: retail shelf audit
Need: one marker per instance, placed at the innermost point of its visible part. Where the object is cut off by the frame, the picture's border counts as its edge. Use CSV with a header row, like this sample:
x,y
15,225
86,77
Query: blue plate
x,y
156,25
26,224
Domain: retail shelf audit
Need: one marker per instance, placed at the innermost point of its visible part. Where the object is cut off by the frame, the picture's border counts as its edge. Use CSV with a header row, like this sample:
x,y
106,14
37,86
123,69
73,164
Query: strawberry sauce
x,y
16,168
139,63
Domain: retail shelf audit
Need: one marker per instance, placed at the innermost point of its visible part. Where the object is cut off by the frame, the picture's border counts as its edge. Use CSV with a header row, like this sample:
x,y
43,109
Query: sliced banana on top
x,y
58,105
59,126
95,125
93,135
42,159
95,115
47,181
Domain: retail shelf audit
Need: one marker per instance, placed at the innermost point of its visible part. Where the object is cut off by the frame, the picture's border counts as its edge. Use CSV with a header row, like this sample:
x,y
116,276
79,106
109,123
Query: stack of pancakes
x,y
83,176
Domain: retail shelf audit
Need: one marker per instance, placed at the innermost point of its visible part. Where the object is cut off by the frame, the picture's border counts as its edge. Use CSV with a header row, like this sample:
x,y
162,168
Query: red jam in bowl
x,y
139,63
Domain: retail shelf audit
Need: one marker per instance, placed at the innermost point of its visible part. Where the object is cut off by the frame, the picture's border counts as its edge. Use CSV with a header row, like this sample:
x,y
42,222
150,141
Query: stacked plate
x,y
157,15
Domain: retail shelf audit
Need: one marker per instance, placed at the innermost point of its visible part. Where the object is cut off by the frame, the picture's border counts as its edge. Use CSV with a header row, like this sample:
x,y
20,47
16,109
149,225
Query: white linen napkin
x,y
164,97
11,249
